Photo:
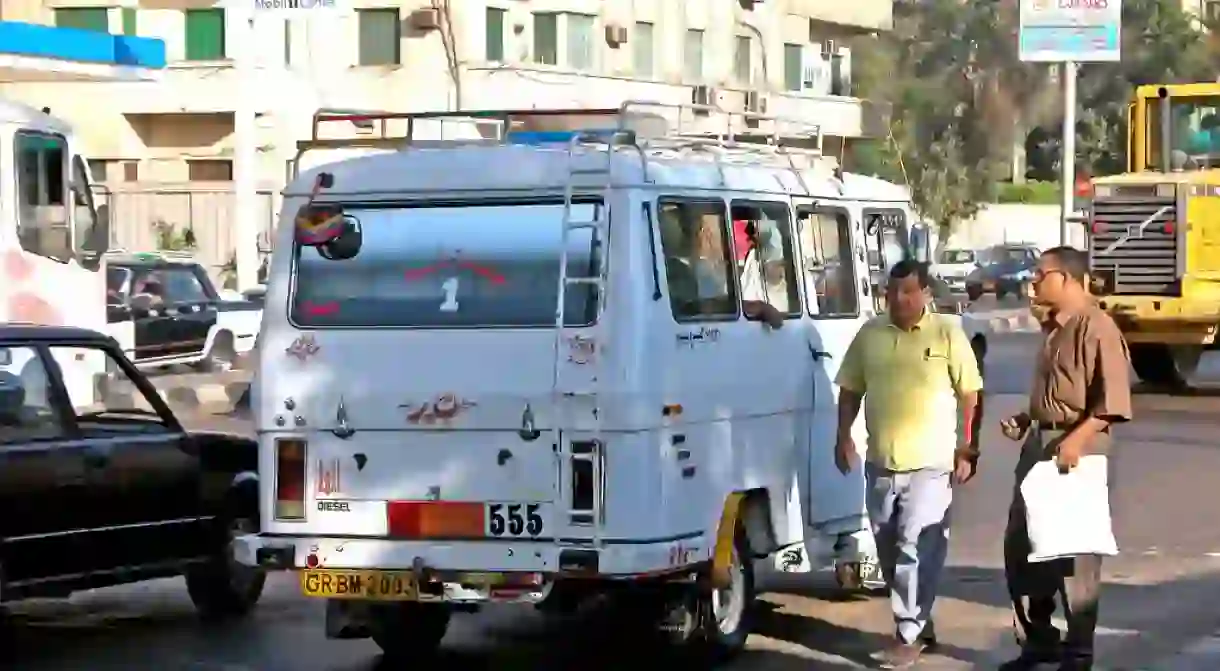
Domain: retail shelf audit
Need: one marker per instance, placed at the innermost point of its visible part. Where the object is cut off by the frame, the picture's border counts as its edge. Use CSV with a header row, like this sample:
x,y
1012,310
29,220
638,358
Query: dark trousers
x,y
1034,586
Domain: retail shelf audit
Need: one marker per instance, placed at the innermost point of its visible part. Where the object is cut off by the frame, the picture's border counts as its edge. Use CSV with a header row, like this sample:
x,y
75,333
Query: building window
x,y
580,41
692,56
210,170
642,48
546,38
793,63
742,65
494,34
205,34
130,25
84,18
380,37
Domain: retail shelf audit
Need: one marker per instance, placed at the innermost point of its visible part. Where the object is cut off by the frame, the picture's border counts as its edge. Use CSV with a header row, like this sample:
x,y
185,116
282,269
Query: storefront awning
x,y
31,52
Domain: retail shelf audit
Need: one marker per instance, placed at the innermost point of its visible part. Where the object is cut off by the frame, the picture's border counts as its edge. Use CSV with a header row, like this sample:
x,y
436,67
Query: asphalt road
x,y
1160,593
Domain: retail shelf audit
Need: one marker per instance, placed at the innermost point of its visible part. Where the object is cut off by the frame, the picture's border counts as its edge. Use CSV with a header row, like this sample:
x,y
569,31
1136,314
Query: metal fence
x,y
139,210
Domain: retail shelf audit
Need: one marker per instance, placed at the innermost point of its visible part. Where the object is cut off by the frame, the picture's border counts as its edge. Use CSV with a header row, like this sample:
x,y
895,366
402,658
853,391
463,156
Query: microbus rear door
x,y
422,367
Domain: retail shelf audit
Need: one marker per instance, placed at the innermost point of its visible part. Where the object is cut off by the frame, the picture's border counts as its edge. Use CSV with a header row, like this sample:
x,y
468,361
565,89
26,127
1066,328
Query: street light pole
x,y
1068,181
245,153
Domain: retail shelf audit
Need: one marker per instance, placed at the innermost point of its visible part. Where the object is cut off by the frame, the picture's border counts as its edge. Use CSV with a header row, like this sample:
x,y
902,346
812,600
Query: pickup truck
x,y
164,310
100,494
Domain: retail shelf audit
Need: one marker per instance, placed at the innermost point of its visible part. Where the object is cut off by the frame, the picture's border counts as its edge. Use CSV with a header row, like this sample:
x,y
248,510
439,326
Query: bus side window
x,y
768,270
42,213
697,249
830,276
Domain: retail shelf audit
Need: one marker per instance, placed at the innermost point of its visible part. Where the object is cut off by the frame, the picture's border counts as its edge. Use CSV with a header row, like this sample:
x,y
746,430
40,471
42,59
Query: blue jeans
x,y
909,512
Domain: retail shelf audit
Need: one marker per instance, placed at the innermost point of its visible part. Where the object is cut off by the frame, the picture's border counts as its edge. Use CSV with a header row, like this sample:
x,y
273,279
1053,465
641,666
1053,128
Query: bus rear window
x,y
472,265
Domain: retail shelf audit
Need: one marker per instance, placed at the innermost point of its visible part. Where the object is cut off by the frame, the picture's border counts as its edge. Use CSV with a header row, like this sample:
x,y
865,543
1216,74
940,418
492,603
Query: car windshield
x,y
957,256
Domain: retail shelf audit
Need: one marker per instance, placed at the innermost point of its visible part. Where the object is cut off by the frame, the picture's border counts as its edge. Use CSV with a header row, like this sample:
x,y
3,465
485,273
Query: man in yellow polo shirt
x,y
917,377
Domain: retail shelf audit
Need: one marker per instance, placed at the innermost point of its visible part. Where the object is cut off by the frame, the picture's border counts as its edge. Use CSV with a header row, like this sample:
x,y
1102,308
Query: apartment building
x,y
785,57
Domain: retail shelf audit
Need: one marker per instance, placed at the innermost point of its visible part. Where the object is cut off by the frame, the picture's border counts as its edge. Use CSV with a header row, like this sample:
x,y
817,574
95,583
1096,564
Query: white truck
x,y
52,238
531,370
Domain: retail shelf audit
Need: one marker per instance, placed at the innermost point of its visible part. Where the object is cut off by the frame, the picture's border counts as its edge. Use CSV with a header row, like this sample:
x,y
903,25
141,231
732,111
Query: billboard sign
x,y
1054,31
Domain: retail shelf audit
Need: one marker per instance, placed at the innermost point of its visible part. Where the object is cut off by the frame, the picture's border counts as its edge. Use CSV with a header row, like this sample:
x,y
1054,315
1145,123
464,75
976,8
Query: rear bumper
x,y
625,559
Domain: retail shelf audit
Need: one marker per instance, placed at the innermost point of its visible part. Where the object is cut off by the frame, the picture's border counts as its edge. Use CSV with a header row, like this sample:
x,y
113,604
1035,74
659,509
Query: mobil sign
x,y
1053,31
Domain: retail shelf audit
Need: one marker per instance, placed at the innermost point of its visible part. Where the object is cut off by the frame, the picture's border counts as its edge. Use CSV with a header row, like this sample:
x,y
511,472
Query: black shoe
x,y
1031,658
1076,664
928,636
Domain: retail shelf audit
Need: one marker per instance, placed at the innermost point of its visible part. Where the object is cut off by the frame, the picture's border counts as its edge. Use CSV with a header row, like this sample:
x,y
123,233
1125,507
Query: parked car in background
x,y
1005,270
163,309
954,266
109,493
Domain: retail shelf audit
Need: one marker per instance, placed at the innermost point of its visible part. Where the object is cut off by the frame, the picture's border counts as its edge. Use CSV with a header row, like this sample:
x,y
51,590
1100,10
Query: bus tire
x,y
727,614
409,631
1163,365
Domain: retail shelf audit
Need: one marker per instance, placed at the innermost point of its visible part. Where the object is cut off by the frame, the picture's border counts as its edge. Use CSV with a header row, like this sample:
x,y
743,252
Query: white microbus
x,y
520,370
51,237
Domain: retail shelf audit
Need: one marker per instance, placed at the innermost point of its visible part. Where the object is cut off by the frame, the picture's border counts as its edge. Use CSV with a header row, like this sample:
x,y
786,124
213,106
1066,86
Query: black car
x,y
163,309
1004,270
101,494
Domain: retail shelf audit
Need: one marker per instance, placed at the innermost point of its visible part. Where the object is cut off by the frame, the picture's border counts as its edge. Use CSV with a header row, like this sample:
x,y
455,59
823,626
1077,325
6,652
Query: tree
x,y
947,82
1161,44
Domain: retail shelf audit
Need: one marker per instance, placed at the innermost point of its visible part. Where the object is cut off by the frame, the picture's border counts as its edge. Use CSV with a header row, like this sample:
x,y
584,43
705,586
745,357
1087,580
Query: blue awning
x,y
30,51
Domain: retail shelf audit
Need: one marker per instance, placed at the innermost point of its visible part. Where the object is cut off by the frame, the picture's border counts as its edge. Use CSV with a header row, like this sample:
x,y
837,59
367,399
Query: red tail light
x,y
1169,227
441,519
290,465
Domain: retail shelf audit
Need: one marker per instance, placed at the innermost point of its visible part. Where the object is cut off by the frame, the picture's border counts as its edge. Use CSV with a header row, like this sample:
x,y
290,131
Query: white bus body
x,y
419,411
51,237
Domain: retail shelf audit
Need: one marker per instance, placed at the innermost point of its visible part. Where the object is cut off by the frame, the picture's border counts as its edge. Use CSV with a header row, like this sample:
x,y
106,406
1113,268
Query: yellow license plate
x,y
352,584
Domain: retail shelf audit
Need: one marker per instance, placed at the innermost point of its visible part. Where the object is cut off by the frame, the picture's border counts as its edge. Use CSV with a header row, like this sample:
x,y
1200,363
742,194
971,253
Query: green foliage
x,y
948,71
1162,44
1029,193
170,239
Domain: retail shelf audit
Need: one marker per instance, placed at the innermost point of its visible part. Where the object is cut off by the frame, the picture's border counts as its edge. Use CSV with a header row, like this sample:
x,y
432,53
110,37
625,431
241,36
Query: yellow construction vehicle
x,y
1154,231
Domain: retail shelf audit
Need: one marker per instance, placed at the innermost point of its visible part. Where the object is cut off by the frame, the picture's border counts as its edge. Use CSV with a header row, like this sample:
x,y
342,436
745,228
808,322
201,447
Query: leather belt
x,y
1054,426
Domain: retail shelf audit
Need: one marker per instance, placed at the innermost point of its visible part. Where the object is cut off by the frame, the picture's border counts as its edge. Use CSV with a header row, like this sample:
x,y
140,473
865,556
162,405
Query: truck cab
x,y
1154,264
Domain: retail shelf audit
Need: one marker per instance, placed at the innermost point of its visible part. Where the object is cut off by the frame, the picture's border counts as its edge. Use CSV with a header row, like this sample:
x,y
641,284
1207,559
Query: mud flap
x,y
726,533
347,620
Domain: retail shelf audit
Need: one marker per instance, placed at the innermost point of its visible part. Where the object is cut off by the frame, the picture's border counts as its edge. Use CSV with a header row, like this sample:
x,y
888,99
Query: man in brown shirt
x,y
1081,387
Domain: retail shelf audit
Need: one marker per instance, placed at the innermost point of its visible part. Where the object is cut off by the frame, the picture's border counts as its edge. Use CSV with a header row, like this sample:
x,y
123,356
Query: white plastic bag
x,y
1068,514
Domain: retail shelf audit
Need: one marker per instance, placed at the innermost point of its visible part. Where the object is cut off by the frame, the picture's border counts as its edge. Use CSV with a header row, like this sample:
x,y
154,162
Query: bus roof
x,y
27,116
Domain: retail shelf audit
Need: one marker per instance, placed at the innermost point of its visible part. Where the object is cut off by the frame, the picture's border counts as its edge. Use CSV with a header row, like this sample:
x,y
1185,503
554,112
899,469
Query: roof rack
x,y
644,125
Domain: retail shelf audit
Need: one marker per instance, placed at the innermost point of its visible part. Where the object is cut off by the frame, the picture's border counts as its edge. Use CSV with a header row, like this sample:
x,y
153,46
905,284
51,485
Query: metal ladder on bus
x,y
588,451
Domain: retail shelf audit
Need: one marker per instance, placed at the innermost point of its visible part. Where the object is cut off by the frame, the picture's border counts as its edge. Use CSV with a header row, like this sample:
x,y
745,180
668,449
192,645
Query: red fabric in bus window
x,y
741,241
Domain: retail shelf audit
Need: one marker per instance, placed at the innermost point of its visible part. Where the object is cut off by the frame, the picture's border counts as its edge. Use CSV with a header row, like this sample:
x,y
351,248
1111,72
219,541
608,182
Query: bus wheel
x,y
1163,365
727,612
408,631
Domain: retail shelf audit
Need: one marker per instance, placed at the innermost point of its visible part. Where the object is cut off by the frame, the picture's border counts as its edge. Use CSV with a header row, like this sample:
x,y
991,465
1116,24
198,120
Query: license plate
x,y
355,584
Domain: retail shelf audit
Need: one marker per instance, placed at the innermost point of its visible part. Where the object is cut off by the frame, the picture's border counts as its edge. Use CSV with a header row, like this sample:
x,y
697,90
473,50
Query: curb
x,y
184,392
1022,322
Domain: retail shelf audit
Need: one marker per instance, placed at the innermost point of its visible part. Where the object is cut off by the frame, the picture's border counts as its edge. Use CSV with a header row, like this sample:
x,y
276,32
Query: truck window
x,y
89,238
476,264
830,275
698,259
769,270
42,215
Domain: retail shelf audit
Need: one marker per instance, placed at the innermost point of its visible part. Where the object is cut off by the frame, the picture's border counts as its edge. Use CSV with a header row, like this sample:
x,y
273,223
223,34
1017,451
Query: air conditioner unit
x,y
815,71
424,20
755,102
616,35
703,94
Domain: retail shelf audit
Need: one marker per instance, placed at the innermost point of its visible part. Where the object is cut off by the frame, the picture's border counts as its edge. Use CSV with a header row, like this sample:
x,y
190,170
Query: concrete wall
x,y
1014,223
